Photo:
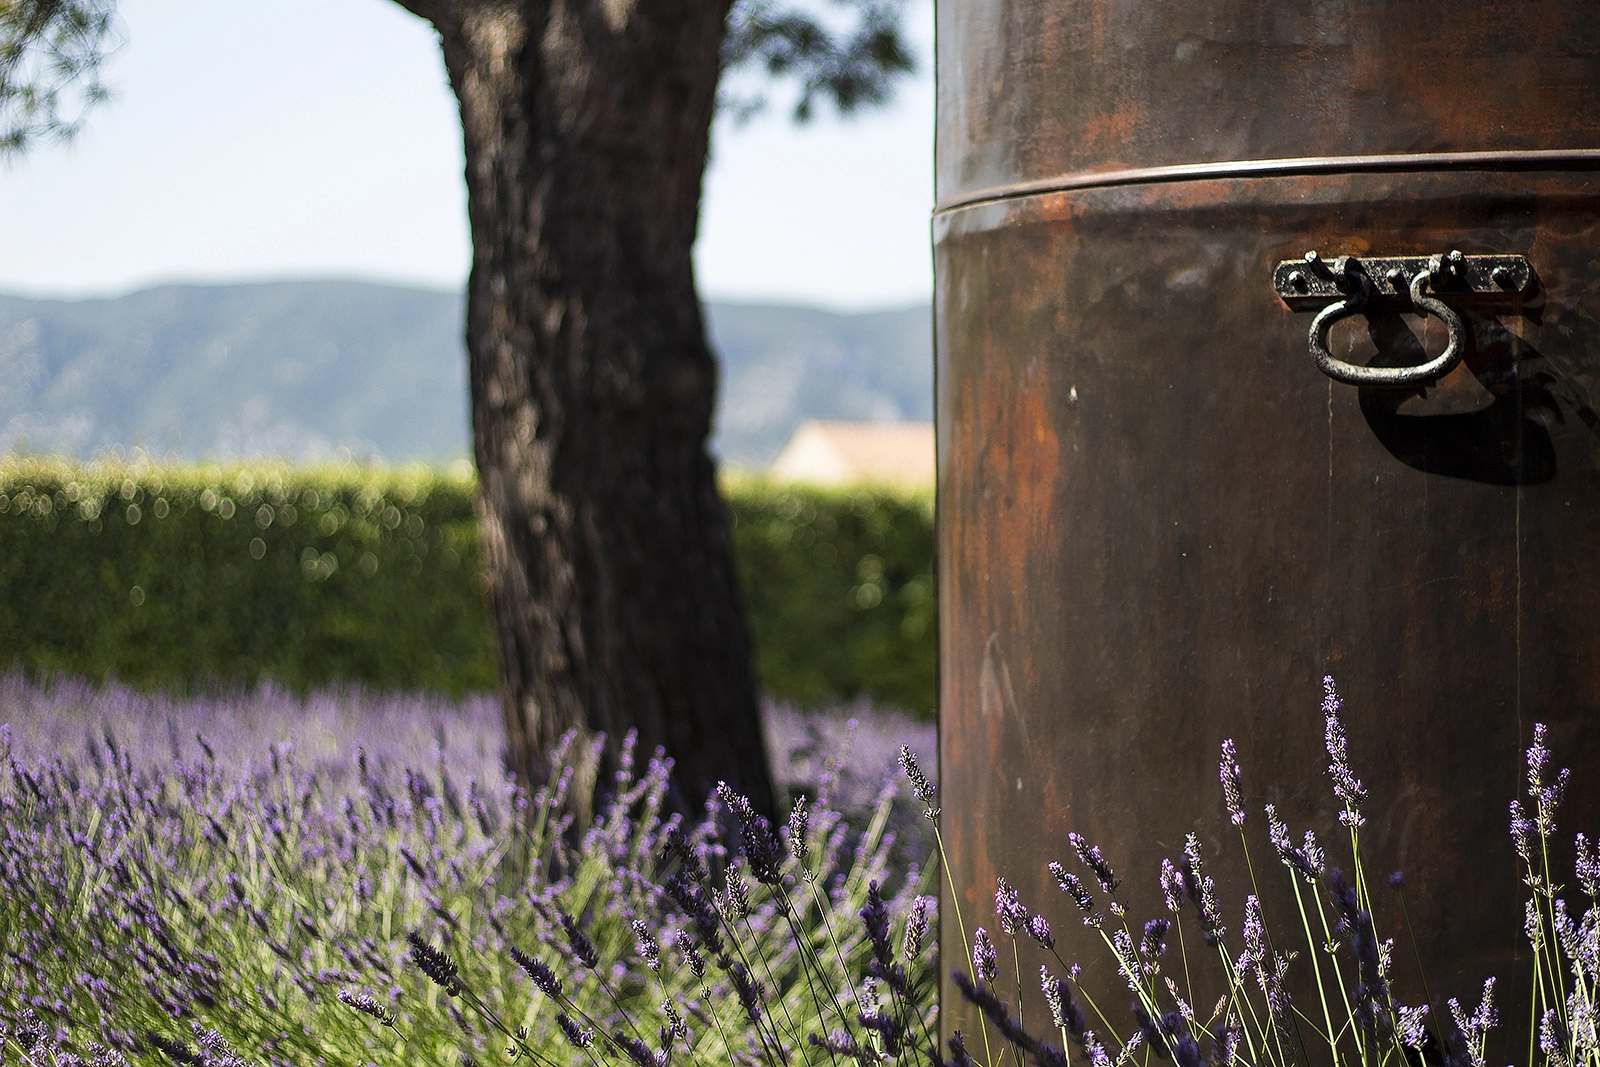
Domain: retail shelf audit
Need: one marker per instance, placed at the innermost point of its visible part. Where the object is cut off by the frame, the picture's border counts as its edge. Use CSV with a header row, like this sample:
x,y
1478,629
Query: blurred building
x,y
843,453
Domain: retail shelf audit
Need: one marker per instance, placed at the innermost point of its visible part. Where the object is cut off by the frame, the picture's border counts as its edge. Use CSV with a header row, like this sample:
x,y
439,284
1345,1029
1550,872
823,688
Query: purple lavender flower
x,y
1309,861
958,1051
1149,1031
1064,1010
1533,925
921,788
1553,1039
1202,891
543,977
1092,859
1073,886
1522,830
1546,795
1483,1019
1008,907
800,830
1098,1056
1171,886
734,899
1277,993
1346,786
1127,958
839,1043
696,904
916,929
1055,993
582,947
638,1051
1039,930
888,1028
1581,1021
1254,933
1228,1042
677,847
1154,941
1412,1024
578,1035
1186,1051
875,918
985,962
684,942
750,992
1372,987
1397,879
676,1028
761,850
366,1005
1230,772
1588,867
649,950
439,968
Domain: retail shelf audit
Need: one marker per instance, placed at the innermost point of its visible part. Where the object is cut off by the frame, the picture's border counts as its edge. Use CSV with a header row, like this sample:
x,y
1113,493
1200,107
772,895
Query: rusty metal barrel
x,y
1267,347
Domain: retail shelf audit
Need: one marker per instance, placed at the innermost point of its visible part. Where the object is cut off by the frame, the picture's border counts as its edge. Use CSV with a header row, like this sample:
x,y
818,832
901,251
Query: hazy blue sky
x,y
288,138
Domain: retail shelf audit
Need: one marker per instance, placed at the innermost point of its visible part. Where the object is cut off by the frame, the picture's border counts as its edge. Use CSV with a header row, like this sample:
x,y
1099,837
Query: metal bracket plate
x,y
1313,282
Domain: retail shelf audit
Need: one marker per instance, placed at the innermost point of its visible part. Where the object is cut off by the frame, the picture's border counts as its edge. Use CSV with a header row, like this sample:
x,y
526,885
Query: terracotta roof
x,y
838,453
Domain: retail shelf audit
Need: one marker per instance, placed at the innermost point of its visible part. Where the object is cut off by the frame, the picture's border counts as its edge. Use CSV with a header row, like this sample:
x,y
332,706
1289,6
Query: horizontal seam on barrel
x,y
1542,159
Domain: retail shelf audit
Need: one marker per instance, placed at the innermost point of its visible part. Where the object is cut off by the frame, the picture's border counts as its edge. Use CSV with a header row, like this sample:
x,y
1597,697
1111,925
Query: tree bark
x,y
612,583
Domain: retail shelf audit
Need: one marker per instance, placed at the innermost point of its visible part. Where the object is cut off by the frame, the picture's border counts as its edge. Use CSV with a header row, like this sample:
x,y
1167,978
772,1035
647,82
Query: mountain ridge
x,y
312,369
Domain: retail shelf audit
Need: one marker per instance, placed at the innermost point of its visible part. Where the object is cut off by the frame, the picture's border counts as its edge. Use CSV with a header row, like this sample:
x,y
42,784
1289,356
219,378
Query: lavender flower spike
x,y
579,1036
916,928
1171,886
923,789
1230,772
1008,907
543,977
439,968
649,950
1064,1010
800,829
1092,859
1413,1026
364,1003
1588,867
1154,941
1346,786
1546,795
1073,886
582,947
691,954
1309,862
1039,930
1522,829
1202,891
985,962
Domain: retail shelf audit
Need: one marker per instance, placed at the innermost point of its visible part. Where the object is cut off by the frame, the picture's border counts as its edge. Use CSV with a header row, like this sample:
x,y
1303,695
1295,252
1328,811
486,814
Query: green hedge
x,y
169,577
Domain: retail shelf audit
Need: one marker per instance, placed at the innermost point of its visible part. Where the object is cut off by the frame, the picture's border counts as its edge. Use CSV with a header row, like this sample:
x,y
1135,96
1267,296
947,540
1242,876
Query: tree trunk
x,y
612,582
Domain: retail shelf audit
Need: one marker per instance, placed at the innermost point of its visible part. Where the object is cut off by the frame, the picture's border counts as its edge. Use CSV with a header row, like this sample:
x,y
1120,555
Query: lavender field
x,y
208,877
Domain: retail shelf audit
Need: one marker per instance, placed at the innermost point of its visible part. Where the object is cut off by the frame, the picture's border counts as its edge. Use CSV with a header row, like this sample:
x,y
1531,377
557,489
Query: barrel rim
x,y
1540,159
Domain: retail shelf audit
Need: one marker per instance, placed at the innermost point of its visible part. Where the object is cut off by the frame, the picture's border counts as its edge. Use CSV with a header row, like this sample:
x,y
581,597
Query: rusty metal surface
x,y
1160,523
1030,89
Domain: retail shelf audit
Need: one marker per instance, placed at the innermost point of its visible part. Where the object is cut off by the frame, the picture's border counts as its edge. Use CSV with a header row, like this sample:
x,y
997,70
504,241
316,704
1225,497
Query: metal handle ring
x,y
1387,377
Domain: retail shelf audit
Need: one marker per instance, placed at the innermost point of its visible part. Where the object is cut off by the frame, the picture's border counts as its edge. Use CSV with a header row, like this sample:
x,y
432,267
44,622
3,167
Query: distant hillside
x,y
308,369
784,364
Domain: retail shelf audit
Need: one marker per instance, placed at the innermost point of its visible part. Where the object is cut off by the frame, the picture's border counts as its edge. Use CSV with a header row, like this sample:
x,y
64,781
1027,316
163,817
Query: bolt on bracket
x,y
1313,281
